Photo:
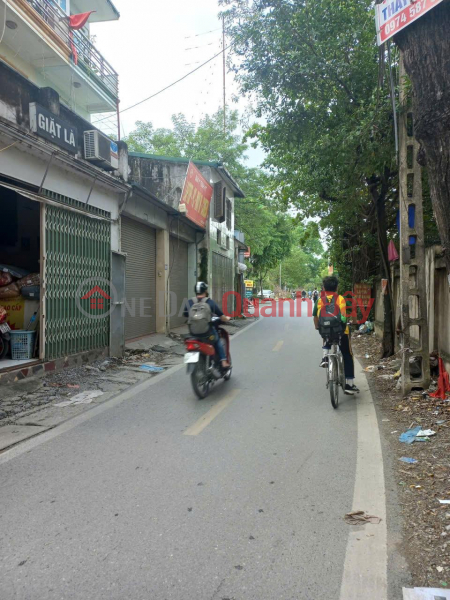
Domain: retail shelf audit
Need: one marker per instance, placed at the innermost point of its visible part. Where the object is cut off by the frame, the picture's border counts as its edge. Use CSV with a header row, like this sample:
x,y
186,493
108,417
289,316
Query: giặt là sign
x,y
392,16
52,128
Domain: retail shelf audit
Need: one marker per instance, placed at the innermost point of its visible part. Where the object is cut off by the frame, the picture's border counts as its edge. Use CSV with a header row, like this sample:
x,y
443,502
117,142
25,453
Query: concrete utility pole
x,y
413,300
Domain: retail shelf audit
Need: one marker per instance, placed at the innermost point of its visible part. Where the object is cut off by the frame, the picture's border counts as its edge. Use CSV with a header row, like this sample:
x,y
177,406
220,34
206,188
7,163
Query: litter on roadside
x,y
444,501
151,368
410,461
359,517
82,398
426,433
426,594
409,436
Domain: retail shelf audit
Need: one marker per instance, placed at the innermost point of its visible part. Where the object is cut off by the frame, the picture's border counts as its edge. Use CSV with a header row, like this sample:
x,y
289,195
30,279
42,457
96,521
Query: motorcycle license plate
x,y
5,328
191,357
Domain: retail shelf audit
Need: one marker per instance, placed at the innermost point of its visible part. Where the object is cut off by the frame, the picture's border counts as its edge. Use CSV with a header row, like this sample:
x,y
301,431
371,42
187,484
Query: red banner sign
x,y
196,196
394,15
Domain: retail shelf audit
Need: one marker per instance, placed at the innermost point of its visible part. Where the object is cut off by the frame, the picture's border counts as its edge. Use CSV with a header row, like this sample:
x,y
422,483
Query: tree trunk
x,y
426,51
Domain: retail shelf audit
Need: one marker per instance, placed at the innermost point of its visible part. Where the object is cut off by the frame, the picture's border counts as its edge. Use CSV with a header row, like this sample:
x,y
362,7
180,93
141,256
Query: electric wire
x,y
170,85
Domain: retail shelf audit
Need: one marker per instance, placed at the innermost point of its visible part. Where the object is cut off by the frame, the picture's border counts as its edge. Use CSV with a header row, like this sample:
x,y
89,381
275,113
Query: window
x,y
219,201
219,237
229,211
228,242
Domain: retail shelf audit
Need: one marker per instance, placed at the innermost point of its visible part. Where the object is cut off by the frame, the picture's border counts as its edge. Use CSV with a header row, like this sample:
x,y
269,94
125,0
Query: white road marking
x,y
277,346
365,568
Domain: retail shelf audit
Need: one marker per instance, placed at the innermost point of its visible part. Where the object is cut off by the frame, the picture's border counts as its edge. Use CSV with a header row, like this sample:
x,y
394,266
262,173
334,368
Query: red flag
x,y
79,21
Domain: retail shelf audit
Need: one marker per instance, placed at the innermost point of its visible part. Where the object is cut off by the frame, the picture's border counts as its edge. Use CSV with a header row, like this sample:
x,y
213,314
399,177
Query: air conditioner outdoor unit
x,y
100,150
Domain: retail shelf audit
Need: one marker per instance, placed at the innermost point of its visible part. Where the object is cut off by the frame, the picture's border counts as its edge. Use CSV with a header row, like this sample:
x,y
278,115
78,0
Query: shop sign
x,y
392,16
249,283
248,253
196,196
52,128
363,292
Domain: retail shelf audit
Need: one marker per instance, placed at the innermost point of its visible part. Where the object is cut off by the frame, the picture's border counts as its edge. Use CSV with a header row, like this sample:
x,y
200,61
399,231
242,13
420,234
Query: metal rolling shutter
x,y
78,257
222,280
139,242
178,279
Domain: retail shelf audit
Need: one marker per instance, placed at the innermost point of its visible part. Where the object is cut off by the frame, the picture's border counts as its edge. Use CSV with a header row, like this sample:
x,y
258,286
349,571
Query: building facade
x,y
210,255
62,183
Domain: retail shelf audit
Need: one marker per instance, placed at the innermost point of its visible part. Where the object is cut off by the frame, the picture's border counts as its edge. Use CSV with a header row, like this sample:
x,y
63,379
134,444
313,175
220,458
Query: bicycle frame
x,y
335,376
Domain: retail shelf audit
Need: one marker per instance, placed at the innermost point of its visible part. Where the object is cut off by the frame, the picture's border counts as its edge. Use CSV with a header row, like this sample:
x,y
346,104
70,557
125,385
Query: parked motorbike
x,y
203,363
5,336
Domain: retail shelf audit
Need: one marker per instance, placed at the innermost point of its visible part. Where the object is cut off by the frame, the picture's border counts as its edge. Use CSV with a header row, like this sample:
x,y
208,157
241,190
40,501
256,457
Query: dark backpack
x,y
200,316
331,326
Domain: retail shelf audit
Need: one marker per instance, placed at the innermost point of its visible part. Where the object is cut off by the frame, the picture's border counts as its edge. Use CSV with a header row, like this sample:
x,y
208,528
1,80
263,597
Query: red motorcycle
x,y
203,363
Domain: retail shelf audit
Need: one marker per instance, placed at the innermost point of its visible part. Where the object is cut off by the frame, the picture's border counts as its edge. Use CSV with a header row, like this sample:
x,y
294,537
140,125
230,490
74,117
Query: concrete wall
x,y
438,304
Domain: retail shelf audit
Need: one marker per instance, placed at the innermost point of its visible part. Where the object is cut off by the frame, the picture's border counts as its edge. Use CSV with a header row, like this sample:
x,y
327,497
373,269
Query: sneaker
x,y
351,390
324,363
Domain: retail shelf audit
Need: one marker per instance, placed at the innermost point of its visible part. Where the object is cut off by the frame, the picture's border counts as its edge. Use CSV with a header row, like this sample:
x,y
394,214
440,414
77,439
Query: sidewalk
x,y
37,404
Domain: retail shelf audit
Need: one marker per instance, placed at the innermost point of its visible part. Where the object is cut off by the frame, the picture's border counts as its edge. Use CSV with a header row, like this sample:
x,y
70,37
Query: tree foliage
x,y
313,68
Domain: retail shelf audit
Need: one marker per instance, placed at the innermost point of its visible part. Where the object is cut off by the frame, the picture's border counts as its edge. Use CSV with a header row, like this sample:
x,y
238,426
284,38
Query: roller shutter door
x,y
139,242
222,280
178,280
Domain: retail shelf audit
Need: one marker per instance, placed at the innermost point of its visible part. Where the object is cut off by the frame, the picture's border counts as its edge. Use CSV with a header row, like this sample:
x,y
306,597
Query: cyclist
x,y
330,288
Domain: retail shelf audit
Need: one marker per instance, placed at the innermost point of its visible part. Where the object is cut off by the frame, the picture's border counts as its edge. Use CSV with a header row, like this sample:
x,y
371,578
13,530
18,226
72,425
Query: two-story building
x,y
195,253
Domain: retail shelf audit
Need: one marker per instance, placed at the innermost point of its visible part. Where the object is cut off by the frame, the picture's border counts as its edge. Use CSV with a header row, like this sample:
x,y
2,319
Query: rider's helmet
x,y
201,287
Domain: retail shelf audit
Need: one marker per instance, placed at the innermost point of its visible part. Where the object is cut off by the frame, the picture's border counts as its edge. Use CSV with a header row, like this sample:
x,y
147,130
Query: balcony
x,y
48,52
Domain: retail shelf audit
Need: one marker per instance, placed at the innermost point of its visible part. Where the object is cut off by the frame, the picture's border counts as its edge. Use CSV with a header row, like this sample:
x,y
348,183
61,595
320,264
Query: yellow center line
x,y
204,421
277,346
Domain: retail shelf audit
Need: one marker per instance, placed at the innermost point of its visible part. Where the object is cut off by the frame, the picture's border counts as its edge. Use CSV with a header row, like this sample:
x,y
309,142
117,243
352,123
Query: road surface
x,y
237,497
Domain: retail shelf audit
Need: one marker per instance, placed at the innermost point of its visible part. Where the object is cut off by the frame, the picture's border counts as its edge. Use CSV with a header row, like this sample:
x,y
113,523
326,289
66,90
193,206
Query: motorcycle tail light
x,y
192,346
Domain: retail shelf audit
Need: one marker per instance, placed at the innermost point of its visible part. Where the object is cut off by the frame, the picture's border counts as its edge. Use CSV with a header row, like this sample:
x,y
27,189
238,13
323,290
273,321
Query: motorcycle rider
x,y
201,291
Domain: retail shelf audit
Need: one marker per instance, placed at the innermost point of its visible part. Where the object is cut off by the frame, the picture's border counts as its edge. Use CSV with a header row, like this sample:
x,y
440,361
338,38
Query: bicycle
x,y
335,373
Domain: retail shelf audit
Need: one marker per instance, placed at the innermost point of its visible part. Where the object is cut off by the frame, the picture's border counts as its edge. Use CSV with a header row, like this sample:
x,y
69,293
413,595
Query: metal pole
x,y
280,275
224,78
118,121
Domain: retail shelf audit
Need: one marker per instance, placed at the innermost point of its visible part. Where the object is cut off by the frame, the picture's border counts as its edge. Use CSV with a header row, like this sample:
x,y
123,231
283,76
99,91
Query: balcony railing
x,y
89,58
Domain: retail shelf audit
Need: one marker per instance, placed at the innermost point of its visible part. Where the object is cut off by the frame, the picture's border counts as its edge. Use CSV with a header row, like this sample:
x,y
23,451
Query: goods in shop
x,y
9,291
5,279
32,279
19,311
3,314
14,271
31,291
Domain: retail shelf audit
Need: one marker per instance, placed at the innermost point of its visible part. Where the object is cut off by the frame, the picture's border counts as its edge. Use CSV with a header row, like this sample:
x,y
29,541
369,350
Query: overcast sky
x,y
155,43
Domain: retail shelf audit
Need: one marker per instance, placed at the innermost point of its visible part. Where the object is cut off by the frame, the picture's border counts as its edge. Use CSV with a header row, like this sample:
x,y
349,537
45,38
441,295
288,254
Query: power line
x,y
204,33
170,85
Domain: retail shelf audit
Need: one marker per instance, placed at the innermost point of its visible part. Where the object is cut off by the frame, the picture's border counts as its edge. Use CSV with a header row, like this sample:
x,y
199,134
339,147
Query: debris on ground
x,y
426,594
424,483
83,398
359,517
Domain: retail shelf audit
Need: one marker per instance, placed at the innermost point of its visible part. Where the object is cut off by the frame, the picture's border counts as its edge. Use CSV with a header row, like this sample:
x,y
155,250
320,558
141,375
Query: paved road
x,y
127,506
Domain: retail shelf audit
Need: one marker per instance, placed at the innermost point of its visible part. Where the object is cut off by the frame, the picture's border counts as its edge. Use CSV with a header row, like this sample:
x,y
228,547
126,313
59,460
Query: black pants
x,y
347,354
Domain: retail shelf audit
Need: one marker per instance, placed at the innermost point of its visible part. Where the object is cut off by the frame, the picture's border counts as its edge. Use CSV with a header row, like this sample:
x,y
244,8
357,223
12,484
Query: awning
x,y
44,200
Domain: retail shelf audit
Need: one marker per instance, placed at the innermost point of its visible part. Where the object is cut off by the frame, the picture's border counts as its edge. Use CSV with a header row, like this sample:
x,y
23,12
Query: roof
x,y
200,163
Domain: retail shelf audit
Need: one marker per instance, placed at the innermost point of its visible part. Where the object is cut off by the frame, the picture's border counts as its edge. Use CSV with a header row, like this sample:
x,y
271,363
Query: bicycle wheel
x,y
334,381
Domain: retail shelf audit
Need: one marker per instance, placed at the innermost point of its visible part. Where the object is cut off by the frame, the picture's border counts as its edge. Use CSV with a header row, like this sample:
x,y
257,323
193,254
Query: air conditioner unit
x,y
100,150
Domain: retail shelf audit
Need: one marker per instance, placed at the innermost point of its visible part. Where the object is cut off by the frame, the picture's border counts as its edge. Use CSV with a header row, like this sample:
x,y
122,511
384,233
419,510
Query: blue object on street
x,y
151,368
408,460
409,436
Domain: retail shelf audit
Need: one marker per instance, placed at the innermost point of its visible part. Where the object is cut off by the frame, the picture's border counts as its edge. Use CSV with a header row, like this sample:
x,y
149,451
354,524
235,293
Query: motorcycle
x,y
203,363
5,336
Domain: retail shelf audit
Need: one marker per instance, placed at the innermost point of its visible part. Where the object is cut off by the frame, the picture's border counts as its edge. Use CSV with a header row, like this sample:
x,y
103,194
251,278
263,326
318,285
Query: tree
x,y
425,50
207,141
313,67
